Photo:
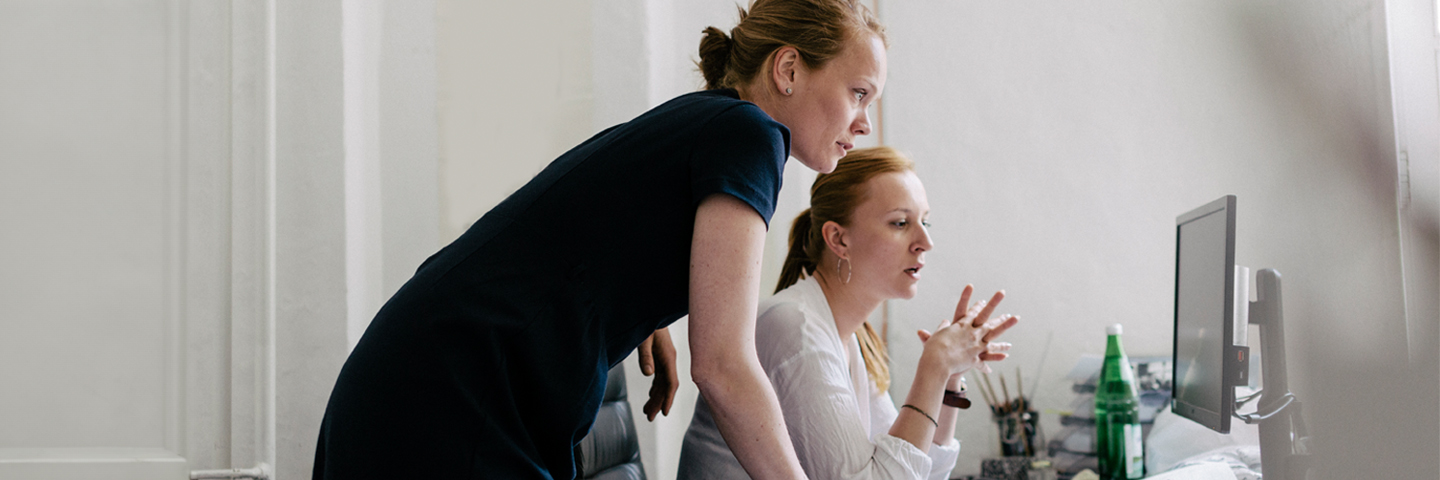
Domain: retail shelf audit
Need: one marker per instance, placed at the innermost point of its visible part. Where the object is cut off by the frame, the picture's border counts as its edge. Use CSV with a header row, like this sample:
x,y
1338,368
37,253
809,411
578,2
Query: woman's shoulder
x,y
789,307
789,325
719,99
721,108
782,314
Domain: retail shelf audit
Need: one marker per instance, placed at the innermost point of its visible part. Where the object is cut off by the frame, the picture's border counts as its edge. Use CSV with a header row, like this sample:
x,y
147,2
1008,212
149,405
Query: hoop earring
x,y
849,271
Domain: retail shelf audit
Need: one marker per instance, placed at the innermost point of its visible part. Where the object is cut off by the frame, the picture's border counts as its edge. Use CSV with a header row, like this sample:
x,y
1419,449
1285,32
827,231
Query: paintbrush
x,y
985,395
1005,389
998,407
1020,388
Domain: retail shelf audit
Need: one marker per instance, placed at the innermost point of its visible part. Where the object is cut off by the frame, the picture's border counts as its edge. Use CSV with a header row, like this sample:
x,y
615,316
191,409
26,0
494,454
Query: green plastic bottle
x,y
1117,415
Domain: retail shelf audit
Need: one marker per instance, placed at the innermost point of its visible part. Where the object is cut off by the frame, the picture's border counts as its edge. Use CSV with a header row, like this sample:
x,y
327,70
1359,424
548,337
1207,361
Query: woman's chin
x,y
819,163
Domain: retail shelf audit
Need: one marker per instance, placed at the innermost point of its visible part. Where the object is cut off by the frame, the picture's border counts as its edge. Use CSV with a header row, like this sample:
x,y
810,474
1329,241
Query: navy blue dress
x,y
491,361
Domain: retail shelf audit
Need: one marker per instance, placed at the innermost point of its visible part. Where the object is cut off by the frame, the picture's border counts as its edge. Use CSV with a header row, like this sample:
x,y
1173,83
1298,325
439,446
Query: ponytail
x,y
797,262
833,198
877,359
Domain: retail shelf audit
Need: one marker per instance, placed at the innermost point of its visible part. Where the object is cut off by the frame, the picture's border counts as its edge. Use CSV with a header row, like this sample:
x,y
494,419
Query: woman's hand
x,y
965,339
657,353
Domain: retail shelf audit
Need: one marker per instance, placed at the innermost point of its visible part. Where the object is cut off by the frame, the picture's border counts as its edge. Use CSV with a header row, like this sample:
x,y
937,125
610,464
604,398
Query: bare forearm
x,y
724,285
947,417
925,394
749,418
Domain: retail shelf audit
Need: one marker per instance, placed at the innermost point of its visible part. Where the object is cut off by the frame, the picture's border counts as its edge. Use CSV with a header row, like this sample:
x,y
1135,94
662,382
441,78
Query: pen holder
x,y
1019,433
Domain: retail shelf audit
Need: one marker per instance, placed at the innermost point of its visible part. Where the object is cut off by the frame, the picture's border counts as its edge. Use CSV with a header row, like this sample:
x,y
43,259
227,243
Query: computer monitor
x,y
1212,312
1205,313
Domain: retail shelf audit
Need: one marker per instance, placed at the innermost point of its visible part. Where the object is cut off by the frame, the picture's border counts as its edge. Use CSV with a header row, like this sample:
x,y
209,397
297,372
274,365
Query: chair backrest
x,y
611,451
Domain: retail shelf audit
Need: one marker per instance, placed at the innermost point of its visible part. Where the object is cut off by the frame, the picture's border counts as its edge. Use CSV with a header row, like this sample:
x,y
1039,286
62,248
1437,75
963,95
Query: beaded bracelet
x,y
922,412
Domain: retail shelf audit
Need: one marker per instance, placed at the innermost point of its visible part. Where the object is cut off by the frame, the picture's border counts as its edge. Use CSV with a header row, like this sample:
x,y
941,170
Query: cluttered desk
x,y
1170,418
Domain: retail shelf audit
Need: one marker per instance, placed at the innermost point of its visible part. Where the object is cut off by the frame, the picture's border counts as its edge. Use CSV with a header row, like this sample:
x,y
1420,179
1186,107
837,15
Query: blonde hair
x,y
833,198
818,29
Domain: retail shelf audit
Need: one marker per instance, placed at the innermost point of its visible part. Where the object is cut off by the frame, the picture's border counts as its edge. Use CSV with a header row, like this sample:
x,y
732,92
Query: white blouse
x,y
837,433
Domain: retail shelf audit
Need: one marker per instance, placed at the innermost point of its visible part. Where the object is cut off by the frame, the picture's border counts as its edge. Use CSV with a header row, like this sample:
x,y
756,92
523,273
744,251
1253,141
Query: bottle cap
x,y
1113,329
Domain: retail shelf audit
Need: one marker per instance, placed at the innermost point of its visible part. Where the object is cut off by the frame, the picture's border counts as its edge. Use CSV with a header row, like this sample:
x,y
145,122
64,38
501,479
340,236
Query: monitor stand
x,y
1282,429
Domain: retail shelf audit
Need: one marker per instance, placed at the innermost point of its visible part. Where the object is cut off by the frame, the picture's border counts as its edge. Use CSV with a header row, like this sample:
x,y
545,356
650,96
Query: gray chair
x,y
610,451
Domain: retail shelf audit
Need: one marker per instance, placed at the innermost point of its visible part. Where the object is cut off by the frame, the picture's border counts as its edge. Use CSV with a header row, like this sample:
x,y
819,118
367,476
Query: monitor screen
x,y
1204,313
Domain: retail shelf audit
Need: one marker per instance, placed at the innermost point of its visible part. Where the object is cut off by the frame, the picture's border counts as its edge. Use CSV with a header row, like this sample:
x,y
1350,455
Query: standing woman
x,y
491,361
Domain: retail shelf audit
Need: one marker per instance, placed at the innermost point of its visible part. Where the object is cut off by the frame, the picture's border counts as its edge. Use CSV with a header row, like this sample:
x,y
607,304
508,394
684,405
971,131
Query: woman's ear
x,y
835,239
785,69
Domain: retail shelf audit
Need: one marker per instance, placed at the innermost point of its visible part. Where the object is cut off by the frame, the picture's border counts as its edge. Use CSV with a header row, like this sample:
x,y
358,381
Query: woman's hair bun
x,y
818,30
715,49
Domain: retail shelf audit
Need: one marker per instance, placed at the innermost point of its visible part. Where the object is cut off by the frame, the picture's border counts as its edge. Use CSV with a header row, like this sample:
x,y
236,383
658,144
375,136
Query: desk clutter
x,y
1016,418
1020,435
1015,468
1072,449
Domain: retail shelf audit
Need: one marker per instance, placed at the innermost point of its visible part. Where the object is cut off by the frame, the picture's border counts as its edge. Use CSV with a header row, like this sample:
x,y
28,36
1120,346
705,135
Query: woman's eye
x,y
926,224
859,95
900,223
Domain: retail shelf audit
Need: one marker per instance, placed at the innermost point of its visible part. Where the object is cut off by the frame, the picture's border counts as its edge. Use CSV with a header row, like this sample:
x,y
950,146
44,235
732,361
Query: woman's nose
x,y
924,244
862,123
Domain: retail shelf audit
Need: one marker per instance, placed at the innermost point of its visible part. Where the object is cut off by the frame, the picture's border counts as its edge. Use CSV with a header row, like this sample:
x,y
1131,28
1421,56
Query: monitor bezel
x,y
1218,421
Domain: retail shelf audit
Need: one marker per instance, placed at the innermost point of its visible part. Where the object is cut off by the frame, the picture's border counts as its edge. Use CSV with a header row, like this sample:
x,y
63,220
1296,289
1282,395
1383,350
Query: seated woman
x,y
866,227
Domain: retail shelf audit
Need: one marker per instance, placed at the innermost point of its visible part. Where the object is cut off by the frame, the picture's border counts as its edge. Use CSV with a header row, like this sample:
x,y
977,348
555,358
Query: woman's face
x,y
828,107
888,236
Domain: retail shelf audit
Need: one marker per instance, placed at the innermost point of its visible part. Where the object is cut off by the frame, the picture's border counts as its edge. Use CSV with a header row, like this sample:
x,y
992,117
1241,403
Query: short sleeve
x,y
741,152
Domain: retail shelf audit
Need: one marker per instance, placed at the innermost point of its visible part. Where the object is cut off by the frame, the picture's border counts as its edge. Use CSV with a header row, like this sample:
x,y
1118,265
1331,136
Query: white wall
x,y
1059,141
269,231
514,92
354,191
1414,38
1415,41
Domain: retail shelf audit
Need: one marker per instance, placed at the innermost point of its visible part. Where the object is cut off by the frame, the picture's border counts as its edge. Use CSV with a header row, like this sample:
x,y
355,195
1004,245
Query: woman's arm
x,y
942,455
947,416
925,394
822,411
958,345
724,294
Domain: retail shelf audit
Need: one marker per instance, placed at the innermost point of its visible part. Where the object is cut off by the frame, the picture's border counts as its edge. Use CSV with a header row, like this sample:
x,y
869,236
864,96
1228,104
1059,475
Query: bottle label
x,y
1134,460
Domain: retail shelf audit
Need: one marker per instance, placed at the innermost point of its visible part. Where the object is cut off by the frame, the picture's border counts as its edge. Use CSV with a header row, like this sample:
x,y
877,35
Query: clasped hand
x,y
965,341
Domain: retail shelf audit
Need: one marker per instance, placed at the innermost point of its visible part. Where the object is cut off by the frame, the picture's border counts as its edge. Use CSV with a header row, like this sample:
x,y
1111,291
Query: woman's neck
x,y
756,93
847,304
